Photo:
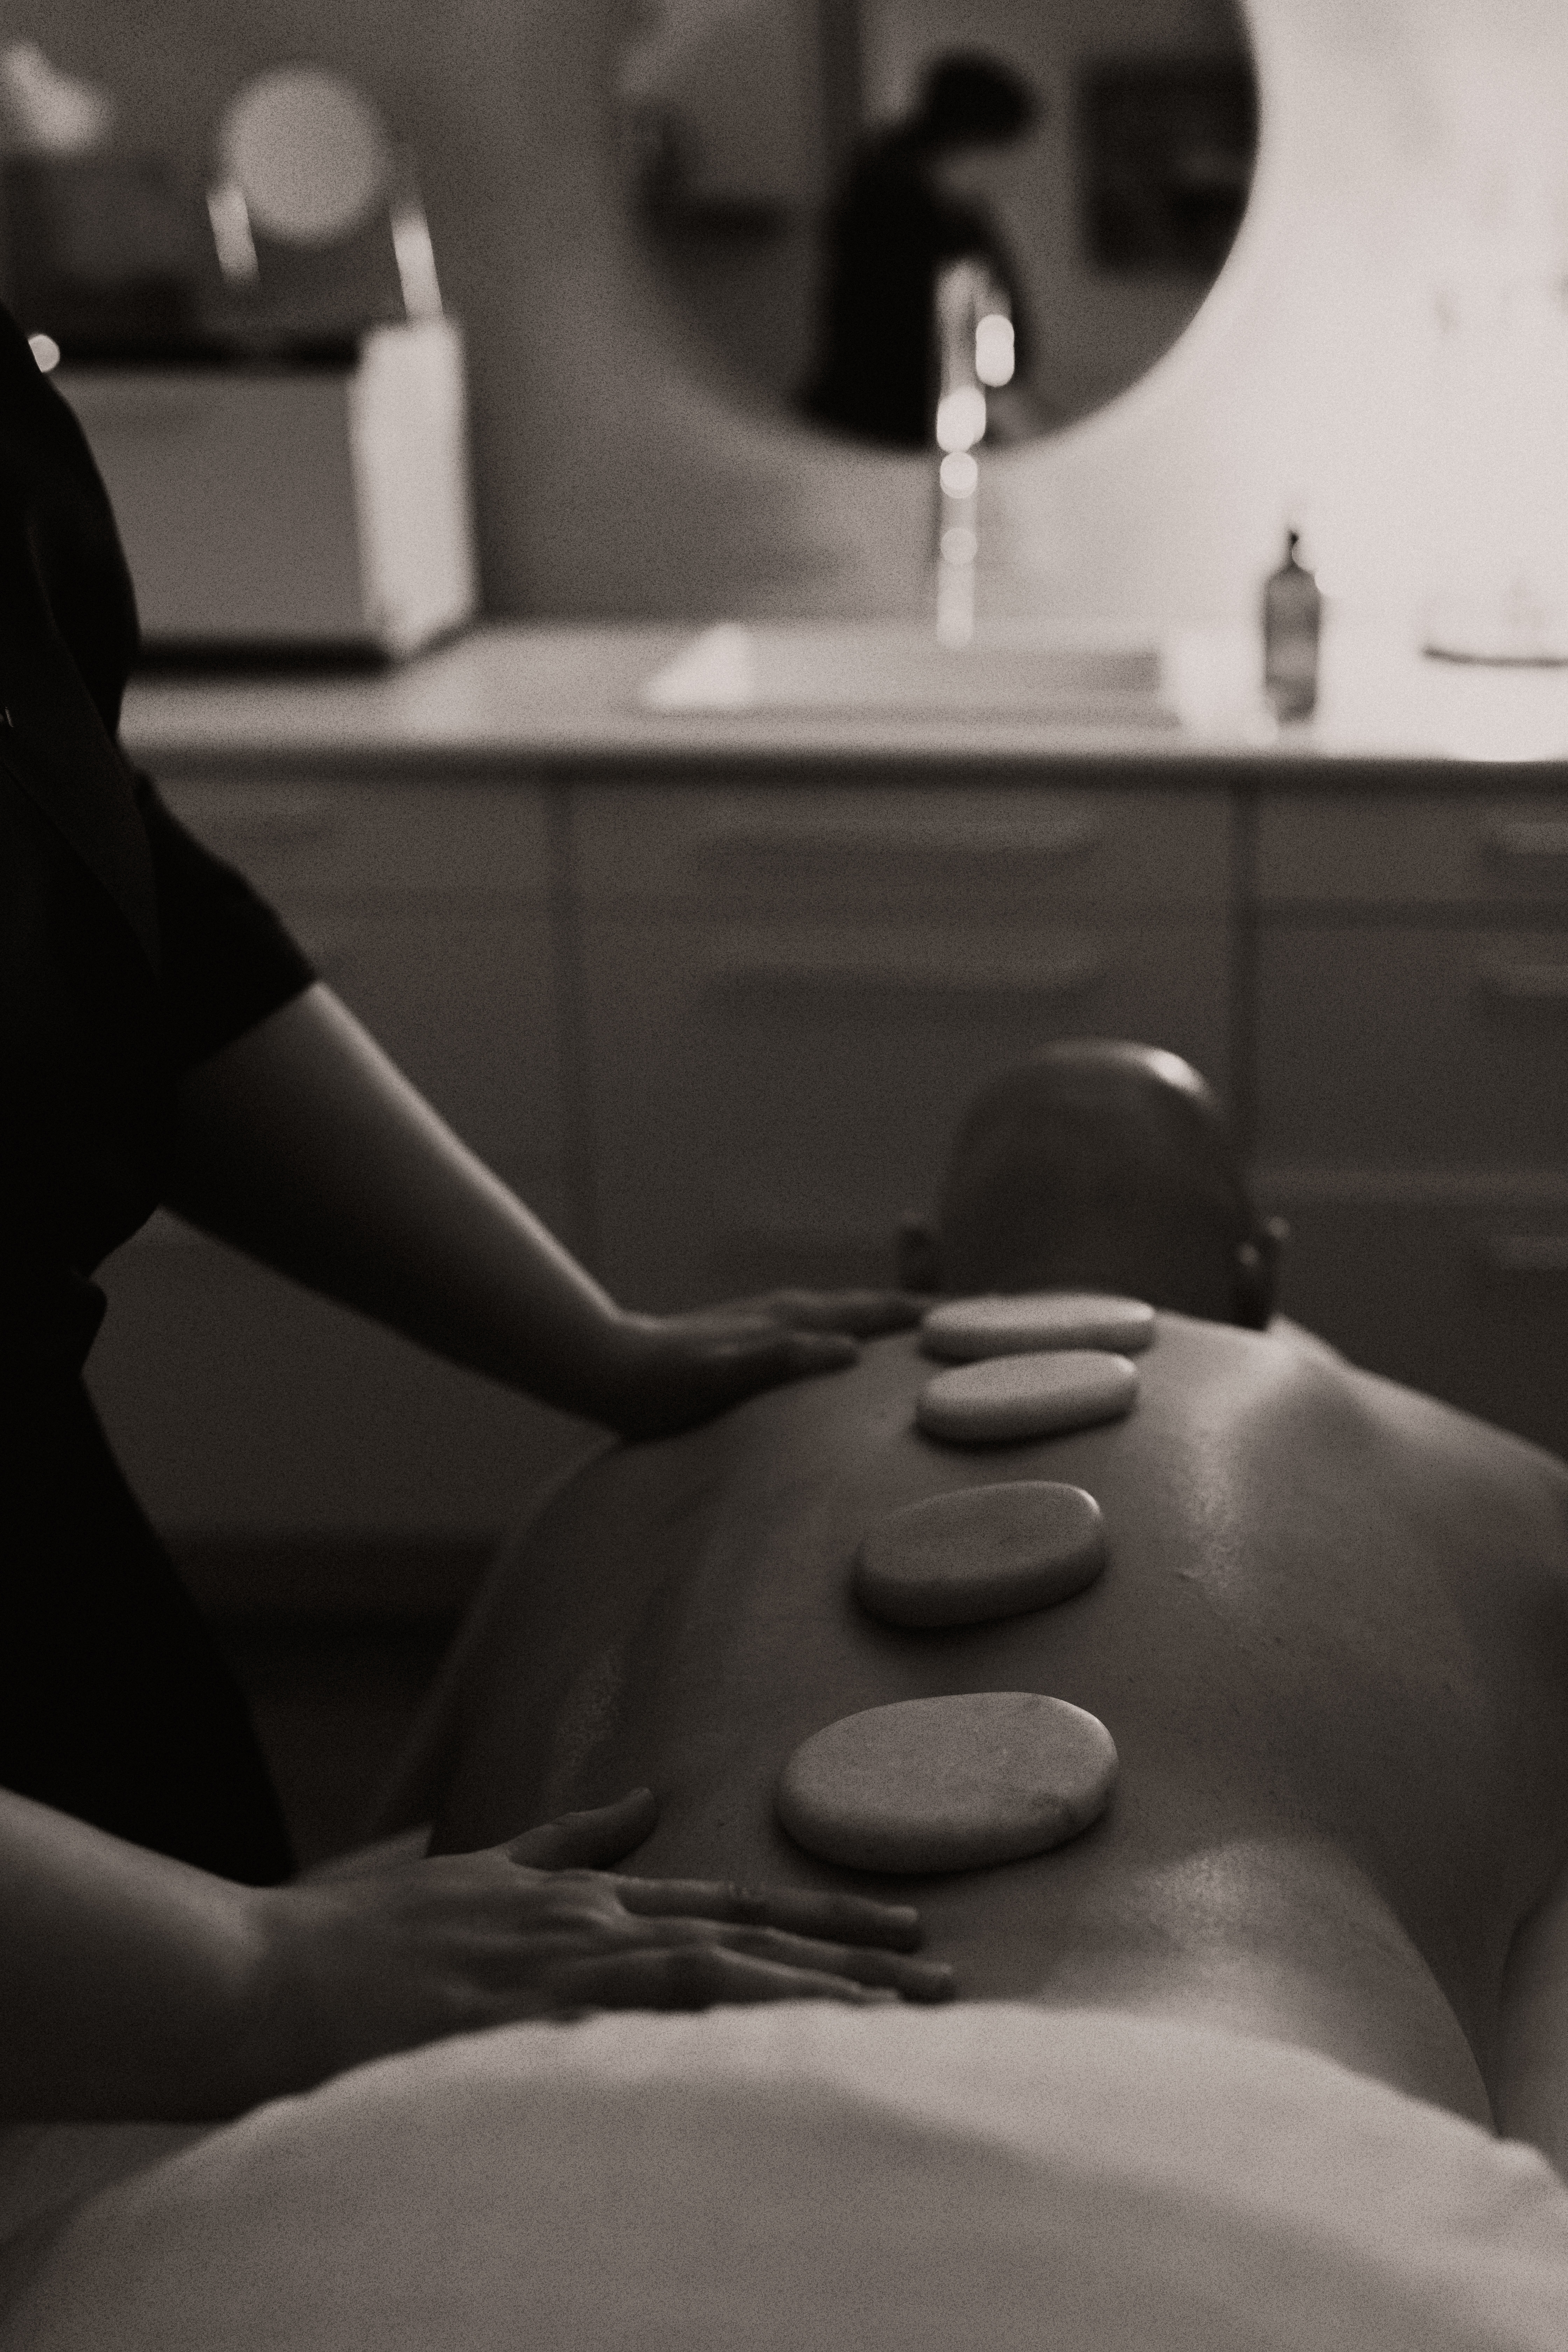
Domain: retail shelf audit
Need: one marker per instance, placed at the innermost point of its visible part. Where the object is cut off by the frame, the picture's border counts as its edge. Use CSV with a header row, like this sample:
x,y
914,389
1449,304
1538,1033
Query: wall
x,y
618,478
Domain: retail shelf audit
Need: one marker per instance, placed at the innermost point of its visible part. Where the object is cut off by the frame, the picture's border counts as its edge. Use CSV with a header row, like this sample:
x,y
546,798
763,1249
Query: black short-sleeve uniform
x,y
127,953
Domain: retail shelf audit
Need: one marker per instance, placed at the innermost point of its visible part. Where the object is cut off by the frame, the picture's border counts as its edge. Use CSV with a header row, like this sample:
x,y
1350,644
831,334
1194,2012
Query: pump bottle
x,y
1292,628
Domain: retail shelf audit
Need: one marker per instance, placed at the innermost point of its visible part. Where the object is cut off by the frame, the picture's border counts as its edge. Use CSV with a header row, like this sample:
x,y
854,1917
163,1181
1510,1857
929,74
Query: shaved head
x,y
1105,1166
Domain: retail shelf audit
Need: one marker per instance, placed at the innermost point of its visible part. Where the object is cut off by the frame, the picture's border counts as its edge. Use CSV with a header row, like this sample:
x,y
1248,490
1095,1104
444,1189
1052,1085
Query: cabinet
x,y
246,1410
717,1029
1411,1050
790,994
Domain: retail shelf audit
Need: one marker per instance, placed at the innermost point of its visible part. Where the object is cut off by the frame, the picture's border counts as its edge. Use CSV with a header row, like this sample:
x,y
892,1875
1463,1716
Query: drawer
x,y
1426,1044
551,1189
897,848
370,836
1466,1299
1407,848
244,1407
770,1098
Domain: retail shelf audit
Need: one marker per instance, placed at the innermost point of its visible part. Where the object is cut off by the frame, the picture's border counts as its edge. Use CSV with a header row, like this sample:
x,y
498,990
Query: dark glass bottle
x,y
1293,626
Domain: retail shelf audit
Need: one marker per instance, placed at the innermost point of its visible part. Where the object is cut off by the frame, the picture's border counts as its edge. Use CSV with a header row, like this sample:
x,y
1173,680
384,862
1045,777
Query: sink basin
x,y
1068,677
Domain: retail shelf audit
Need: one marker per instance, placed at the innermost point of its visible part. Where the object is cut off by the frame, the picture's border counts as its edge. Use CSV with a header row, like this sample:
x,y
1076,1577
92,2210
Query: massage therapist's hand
x,y
673,1371
538,1928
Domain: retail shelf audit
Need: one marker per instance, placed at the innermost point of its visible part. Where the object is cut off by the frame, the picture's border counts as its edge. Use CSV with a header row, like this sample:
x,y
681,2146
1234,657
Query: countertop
x,y
561,699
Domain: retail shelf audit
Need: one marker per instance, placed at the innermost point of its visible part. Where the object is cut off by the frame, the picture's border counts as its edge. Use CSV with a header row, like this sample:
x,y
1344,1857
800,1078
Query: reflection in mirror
x,y
803,173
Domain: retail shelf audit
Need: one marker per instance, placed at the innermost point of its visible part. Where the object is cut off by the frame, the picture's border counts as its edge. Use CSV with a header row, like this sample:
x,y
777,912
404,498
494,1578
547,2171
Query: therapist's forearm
x,y
303,1145
126,1980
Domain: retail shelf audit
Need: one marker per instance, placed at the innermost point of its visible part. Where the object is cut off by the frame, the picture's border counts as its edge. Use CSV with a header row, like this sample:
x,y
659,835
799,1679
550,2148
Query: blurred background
x,y
629,457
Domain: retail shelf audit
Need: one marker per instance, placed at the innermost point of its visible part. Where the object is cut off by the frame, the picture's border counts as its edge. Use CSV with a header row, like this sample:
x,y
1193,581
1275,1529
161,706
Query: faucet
x,y
975,351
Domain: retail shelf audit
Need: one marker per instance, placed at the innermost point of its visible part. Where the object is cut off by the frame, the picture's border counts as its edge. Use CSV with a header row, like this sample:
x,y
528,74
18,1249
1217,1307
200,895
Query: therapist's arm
x,y
134,1987
303,1144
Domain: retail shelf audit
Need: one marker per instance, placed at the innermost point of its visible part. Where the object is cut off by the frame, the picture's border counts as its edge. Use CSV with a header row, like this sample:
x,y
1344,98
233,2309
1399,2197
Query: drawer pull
x,y
1523,980
915,973
235,823
1526,1253
1510,839
848,833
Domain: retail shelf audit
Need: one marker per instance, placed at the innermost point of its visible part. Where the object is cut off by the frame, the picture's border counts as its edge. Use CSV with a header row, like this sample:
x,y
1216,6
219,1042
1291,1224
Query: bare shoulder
x,y
1483,1497
1220,1375
1306,1343
1283,1401
1439,1441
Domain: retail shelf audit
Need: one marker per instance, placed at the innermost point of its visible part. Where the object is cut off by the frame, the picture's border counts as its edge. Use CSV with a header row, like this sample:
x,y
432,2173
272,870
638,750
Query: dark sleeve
x,y
227,961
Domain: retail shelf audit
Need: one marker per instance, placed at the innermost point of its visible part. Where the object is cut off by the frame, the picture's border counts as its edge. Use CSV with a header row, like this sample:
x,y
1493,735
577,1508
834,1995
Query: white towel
x,y
820,2178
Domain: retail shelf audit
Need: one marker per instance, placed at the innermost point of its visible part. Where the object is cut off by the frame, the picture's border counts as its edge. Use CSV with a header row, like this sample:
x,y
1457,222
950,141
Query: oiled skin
x,y
1331,1645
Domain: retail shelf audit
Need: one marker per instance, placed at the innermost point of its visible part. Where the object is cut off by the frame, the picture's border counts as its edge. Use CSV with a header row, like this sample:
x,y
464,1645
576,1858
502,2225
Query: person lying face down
x,y
1330,1639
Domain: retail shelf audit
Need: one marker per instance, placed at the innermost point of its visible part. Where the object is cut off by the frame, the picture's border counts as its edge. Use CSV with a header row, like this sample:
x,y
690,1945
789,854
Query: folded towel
x,y
816,2178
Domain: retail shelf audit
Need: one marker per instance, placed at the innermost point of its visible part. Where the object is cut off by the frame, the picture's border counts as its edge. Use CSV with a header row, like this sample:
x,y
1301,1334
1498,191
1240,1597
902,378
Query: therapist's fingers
x,y
777,1352
700,1976
836,1918
865,1964
587,1840
864,1314
722,1369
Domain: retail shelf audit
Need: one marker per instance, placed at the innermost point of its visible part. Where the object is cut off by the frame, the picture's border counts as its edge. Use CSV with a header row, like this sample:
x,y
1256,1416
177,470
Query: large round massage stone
x,y
958,1783
1008,1399
982,1552
966,1329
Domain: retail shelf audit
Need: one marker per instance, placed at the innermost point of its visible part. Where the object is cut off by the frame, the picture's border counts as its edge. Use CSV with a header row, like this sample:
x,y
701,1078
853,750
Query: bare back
x,y
1331,1645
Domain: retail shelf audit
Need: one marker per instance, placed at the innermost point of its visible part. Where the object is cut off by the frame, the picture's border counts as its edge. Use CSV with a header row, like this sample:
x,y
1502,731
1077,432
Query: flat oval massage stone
x,y
1008,1399
966,1329
959,1783
980,1553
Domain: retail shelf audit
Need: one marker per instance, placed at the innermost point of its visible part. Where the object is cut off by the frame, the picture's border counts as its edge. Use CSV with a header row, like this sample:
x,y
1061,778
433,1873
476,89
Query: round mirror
x,y
307,152
863,206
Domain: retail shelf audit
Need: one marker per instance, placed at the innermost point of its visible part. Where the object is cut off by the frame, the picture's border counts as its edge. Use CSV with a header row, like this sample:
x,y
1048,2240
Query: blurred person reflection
x,y
915,202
